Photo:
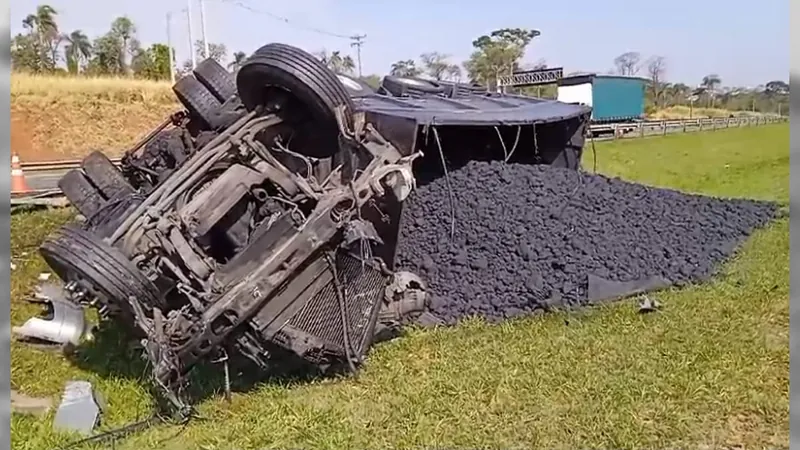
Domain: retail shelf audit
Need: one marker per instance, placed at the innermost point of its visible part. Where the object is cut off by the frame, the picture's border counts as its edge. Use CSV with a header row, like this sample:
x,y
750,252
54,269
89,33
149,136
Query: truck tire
x,y
77,255
105,175
356,88
216,79
291,69
402,86
107,220
81,193
198,100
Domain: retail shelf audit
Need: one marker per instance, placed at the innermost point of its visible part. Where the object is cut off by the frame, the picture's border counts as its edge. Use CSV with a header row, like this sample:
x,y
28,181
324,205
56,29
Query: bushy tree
x,y
152,63
107,56
405,68
498,54
628,63
123,33
438,67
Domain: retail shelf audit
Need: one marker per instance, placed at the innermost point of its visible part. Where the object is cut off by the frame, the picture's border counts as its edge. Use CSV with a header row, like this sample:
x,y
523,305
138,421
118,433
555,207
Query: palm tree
x,y
43,25
336,62
78,50
711,83
405,68
43,21
238,59
345,65
124,30
43,18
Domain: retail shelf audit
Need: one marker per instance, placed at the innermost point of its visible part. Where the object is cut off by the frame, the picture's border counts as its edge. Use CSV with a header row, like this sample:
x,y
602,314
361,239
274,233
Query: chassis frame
x,y
176,339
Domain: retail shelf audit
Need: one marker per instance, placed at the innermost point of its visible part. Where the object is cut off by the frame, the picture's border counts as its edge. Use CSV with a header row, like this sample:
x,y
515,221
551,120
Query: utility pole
x,y
171,49
358,41
191,33
203,28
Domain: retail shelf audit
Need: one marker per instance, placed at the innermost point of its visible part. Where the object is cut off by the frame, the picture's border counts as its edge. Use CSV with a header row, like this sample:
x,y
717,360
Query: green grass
x,y
710,369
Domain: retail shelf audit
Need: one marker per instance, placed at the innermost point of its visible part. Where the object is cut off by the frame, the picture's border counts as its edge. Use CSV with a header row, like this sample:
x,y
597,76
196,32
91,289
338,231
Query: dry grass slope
x,y
684,112
61,117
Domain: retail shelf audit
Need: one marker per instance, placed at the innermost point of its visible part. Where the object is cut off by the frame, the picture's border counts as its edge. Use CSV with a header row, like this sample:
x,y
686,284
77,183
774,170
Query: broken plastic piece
x,y
80,408
63,323
647,305
405,295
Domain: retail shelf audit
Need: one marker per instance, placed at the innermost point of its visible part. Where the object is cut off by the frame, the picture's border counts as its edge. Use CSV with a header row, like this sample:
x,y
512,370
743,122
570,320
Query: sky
x,y
746,43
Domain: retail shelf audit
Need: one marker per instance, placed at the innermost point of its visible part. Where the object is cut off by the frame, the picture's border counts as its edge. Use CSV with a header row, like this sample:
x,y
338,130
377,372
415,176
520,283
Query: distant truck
x,y
614,99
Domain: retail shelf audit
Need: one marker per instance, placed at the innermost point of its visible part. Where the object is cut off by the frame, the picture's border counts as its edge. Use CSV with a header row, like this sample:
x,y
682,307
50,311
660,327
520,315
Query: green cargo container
x,y
612,98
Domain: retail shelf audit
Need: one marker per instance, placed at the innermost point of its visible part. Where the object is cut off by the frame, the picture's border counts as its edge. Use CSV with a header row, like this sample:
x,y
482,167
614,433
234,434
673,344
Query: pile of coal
x,y
529,238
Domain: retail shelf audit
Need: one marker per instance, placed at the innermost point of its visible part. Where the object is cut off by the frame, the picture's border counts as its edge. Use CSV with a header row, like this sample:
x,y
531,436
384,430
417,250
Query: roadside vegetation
x,y
44,47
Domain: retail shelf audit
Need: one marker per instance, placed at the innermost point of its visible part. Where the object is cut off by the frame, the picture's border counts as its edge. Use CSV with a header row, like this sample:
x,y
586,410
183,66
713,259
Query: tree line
x,y
770,97
42,48
501,53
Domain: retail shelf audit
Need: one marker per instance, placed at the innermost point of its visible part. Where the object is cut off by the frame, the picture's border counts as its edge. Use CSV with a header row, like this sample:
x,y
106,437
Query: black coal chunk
x,y
528,237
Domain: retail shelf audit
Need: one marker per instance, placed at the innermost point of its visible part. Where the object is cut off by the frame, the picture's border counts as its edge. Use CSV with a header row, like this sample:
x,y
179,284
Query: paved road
x,y
43,180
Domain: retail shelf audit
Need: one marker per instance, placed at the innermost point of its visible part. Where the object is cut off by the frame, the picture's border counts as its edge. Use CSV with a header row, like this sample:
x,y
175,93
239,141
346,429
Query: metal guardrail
x,y
664,127
617,131
66,164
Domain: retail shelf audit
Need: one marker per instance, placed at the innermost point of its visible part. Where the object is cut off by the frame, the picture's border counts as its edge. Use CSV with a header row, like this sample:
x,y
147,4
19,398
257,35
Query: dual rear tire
x,y
275,75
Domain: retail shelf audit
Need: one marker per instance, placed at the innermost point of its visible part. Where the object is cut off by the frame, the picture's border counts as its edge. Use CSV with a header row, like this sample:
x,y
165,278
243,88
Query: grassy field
x,y
710,369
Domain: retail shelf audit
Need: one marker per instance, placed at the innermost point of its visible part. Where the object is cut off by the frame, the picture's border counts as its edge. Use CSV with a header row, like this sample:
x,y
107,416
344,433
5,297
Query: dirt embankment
x,y
56,118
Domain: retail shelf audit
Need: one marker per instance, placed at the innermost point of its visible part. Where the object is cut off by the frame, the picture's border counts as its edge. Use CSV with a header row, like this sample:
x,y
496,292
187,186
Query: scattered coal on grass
x,y
532,237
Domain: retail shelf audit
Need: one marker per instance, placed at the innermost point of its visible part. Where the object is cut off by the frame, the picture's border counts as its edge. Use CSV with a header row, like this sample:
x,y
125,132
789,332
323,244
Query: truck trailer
x,y
614,99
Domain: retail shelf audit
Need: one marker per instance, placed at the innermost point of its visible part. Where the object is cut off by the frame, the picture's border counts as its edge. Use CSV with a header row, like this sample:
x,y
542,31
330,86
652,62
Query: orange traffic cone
x,y
18,184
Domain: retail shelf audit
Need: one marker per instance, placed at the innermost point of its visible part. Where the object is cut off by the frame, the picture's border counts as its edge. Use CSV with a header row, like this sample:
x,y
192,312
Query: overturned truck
x,y
260,223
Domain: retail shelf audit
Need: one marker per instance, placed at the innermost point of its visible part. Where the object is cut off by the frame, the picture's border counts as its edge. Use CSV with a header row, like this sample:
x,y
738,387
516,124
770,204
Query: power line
x,y
287,21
